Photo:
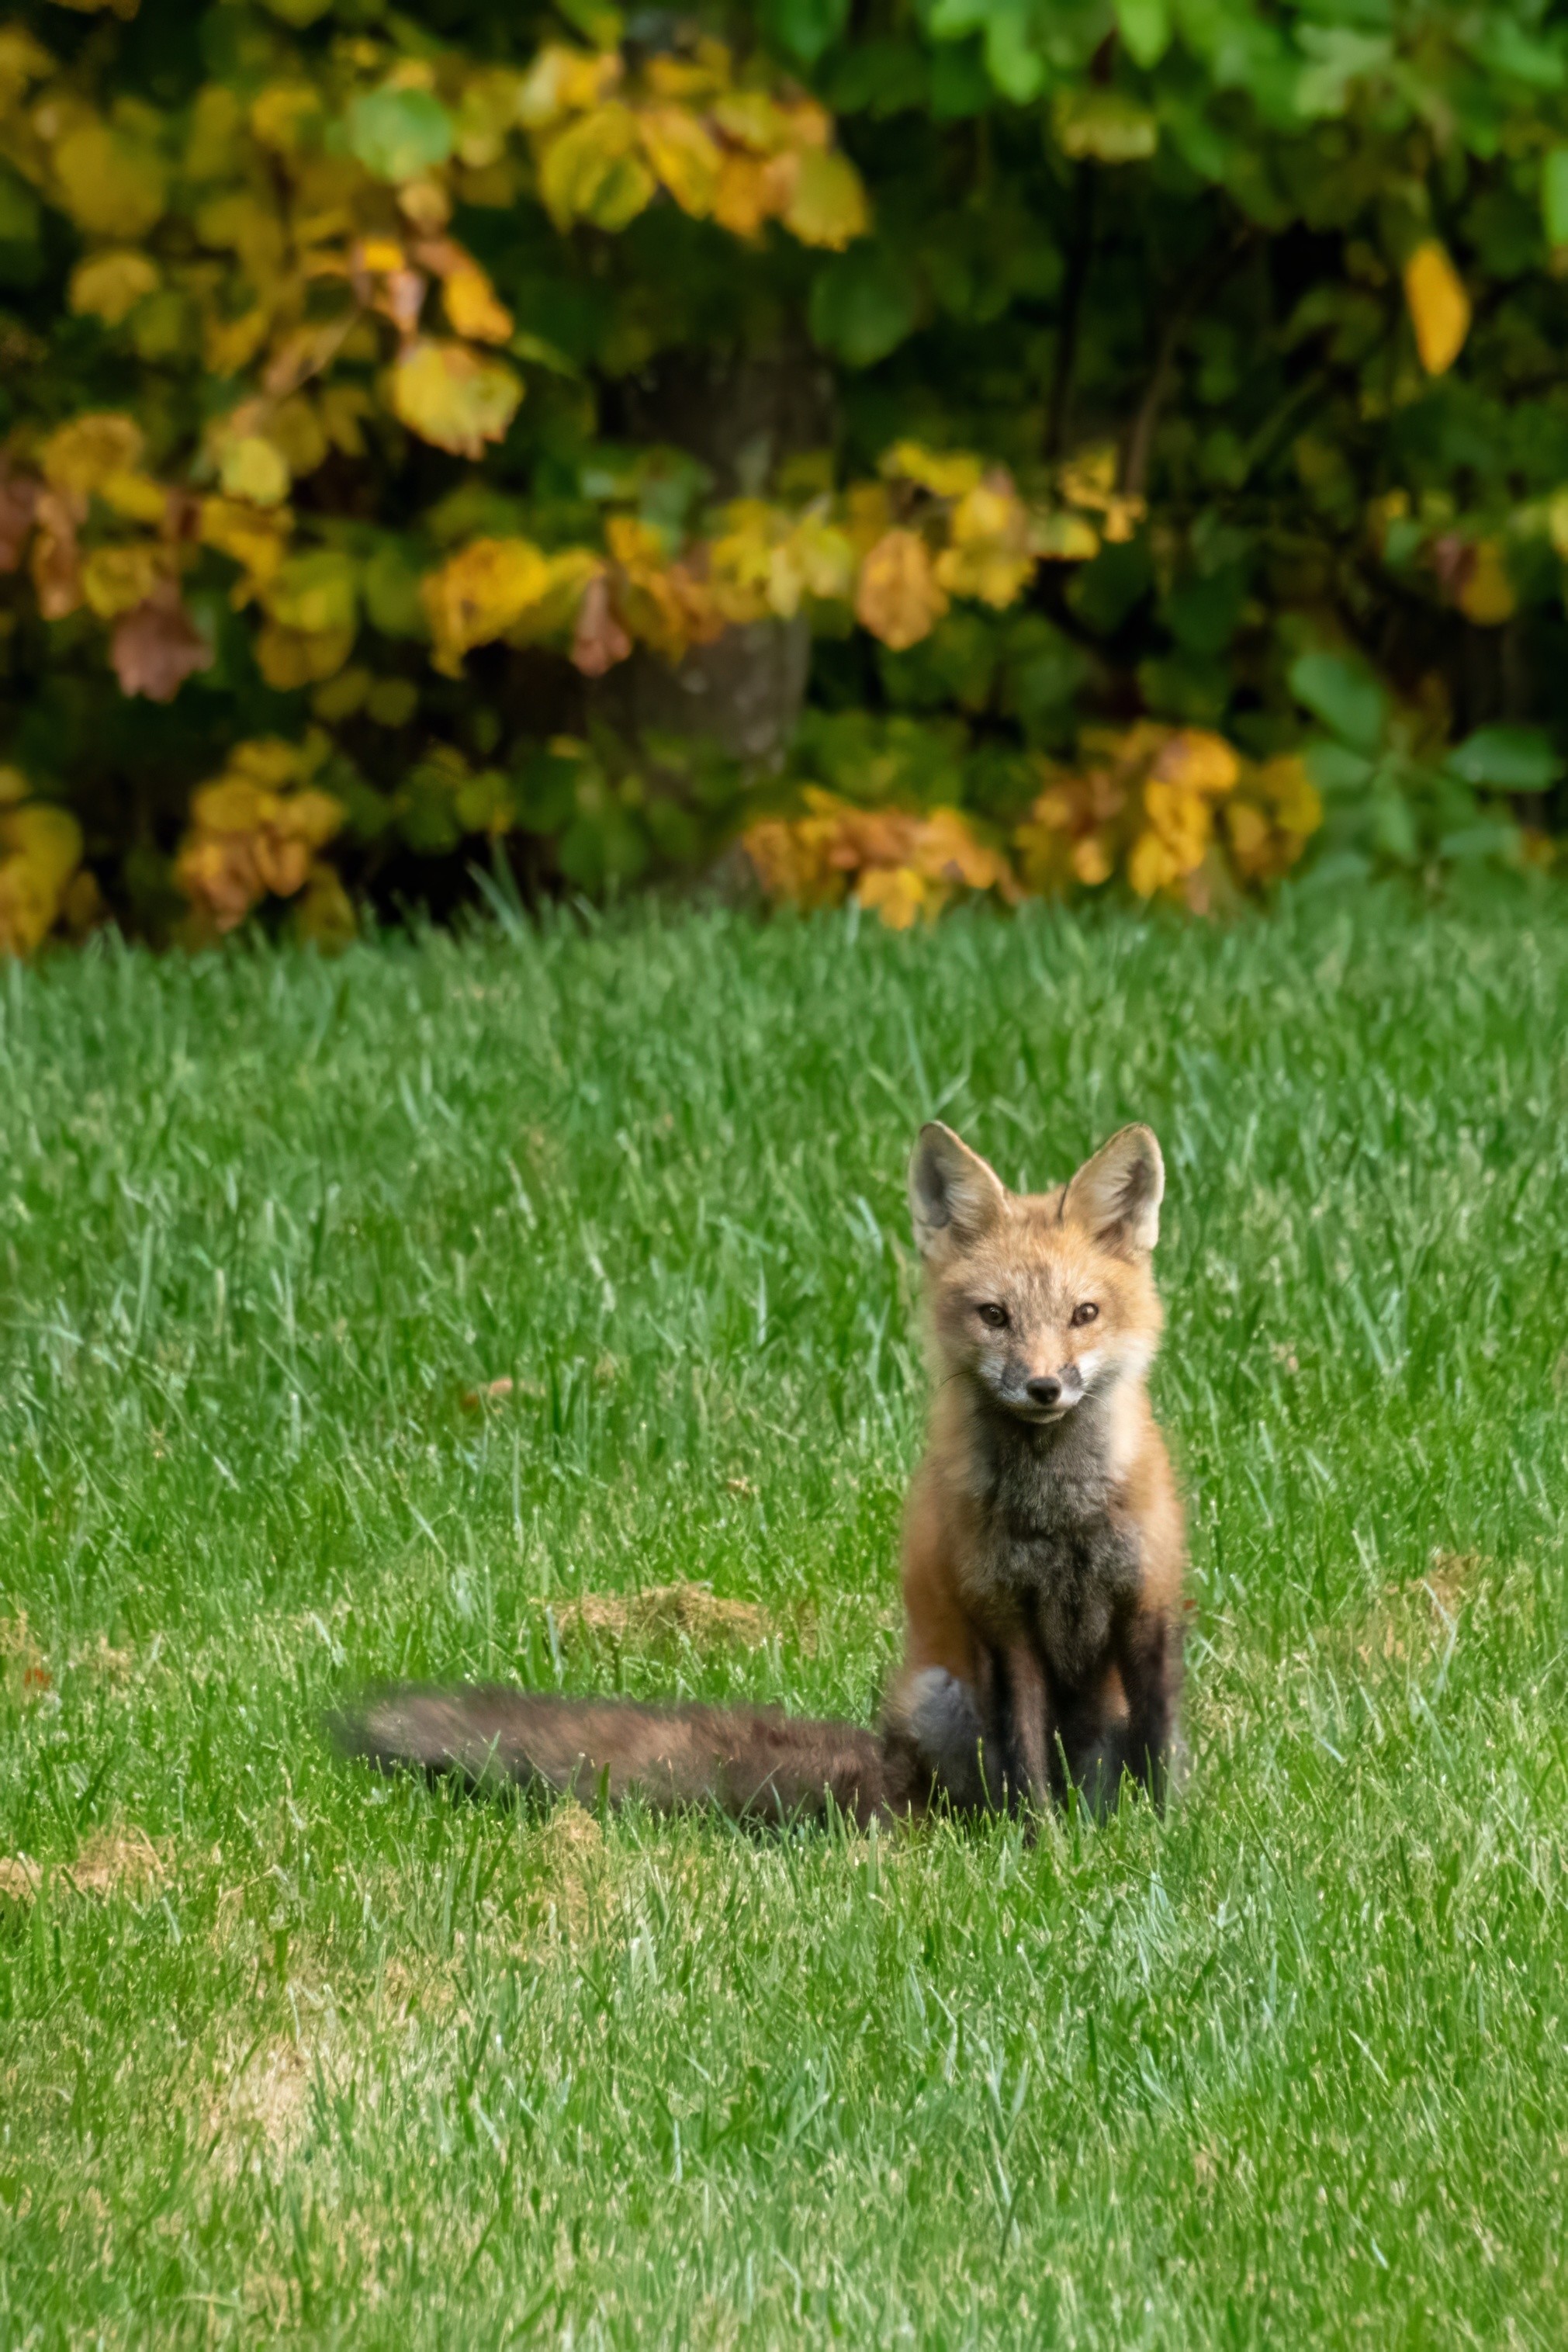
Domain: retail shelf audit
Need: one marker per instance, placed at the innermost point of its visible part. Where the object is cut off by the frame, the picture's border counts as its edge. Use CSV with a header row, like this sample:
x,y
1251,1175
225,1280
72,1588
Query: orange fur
x,y
1044,1544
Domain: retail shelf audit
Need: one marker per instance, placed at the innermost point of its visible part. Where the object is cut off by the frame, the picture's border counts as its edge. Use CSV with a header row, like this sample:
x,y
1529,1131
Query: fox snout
x,y
1053,1394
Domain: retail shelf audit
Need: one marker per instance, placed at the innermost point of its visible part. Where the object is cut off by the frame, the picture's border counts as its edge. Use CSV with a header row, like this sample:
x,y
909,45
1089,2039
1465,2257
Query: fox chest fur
x,y
1053,1558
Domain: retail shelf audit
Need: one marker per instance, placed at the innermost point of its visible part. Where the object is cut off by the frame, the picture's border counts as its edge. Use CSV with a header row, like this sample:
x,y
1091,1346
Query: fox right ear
x,y
954,1195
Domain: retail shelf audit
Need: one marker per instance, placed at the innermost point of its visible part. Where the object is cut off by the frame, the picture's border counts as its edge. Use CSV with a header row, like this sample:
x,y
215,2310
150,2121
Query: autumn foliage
x,y
344,473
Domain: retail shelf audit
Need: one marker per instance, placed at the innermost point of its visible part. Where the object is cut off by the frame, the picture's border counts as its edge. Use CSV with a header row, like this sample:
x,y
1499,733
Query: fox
x,y
1043,1555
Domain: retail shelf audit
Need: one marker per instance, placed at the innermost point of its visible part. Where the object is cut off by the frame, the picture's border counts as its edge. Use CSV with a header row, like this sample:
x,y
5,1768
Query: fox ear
x,y
953,1196
1117,1194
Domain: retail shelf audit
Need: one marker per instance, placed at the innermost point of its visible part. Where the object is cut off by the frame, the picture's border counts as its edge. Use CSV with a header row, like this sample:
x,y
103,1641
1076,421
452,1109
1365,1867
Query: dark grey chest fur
x,y
1059,1554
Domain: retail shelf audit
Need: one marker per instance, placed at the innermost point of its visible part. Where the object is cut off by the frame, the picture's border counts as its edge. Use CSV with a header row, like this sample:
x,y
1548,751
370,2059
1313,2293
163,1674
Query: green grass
x,y
376,2067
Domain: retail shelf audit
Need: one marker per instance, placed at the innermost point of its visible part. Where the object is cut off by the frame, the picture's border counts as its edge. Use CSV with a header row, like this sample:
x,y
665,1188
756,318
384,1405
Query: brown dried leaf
x,y
599,641
154,649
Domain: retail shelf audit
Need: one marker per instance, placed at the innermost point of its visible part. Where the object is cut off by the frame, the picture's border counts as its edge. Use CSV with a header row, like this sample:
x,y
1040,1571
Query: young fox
x,y
1043,1551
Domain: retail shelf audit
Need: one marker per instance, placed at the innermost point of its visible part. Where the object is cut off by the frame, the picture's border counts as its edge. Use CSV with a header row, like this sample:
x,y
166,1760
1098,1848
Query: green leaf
x,y
602,26
1336,772
864,306
389,586
19,215
1508,760
399,134
1475,843
1012,60
1344,695
1393,827
1554,196
1146,30
805,28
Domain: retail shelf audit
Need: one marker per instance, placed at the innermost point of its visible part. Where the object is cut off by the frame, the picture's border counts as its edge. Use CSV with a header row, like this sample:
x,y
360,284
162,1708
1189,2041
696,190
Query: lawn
x,y
286,2048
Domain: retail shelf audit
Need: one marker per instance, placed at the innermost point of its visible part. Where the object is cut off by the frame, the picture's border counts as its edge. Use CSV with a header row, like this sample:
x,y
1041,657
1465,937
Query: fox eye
x,y
1085,1314
993,1316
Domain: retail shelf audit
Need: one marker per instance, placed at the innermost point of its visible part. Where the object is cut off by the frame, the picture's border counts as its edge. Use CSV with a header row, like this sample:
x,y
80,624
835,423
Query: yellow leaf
x,y
828,204
1486,593
1150,865
591,171
1295,801
268,762
82,456
693,78
472,306
254,469
563,81
229,345
1090,861
898,597
312,816
217,136
284,116
296,430
1200,762
115,579
479,594
325,915
826,558
685,156
232,804
315,595
343,408
896,893
1248,830
392,701
1439,306
1103,124
573,570
22,59
293,658
48,839
450,396
947,474
340,697
1182,820
749,118
990,557
993,574
109,286
740,199
136,497
112,185
252,536
1062,538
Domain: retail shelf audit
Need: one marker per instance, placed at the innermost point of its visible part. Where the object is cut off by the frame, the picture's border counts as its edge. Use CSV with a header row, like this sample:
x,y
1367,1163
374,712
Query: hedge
x,y
951,446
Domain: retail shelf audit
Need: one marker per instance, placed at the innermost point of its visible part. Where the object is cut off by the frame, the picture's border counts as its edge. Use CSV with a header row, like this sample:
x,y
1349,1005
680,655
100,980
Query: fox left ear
x,y
954,1196
1117,1194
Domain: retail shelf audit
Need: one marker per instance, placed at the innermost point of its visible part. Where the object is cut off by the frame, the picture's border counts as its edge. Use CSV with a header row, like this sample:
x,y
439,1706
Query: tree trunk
x,y
743,417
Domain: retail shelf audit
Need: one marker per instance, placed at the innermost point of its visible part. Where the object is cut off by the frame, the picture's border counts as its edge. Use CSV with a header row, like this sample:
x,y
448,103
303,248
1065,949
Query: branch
x,y
1080,252
1141,437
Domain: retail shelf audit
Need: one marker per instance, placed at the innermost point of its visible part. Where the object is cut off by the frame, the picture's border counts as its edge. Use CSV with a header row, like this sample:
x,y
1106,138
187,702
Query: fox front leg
x,y
1026,1731
1148,1658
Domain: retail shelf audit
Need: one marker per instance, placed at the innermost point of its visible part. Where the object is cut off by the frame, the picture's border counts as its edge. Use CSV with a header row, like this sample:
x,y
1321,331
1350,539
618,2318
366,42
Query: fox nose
x,y
1044,1391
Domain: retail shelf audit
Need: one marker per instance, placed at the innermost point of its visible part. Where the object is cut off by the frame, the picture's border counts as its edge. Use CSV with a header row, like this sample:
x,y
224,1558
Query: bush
x,y
1134,431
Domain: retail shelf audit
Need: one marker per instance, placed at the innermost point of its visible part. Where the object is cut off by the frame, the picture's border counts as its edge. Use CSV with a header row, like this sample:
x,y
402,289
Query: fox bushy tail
x,y
750,1762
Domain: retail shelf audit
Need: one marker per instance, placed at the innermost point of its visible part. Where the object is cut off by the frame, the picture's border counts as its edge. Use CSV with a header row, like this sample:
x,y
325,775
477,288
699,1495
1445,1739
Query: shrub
x,y
473,432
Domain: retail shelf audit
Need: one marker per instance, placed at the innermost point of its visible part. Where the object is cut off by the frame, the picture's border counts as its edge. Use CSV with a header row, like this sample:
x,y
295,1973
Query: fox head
x,y
1042,1299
